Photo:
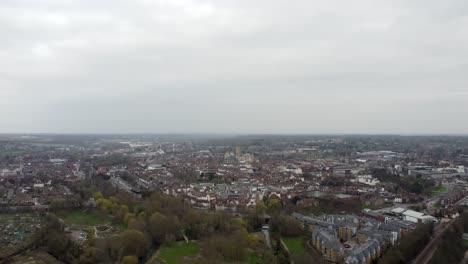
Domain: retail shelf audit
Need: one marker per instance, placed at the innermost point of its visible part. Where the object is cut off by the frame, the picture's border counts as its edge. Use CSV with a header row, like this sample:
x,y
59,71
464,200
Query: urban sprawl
x,y
355,197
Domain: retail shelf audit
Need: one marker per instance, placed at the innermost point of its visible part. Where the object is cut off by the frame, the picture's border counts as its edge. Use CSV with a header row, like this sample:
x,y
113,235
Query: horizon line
x,y
233,134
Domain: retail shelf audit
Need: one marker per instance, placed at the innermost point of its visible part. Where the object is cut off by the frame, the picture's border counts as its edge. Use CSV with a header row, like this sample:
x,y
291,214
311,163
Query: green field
x,y
375,207
11,153
438,190
253,259
79,217
295,245
176,253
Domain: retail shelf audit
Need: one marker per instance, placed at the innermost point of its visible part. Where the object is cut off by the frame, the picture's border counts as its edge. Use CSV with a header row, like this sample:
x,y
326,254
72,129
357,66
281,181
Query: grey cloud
x,y
223,66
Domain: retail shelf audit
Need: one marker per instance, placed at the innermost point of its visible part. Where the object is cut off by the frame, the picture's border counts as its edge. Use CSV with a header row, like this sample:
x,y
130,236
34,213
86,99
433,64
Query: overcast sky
x,y
263,66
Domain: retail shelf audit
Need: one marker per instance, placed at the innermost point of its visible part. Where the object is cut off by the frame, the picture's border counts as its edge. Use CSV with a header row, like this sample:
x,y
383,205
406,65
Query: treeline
x,y
156,221
335,181
452,247
413,184
286,226
409,246
53,239
163,220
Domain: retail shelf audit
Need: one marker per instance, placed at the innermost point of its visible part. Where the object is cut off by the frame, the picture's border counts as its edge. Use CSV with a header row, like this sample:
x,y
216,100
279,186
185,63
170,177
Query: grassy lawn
x,y
438,190
79,217
10,153
253,259
121,227
295,245
175,254
375,207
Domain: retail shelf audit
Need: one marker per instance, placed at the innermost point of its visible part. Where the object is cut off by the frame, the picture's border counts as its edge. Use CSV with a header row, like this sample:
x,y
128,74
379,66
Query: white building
x,y
368,180
291,169
413,216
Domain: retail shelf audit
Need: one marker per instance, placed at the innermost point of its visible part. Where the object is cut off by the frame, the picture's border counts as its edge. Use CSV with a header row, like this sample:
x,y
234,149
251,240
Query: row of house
x,y
351,238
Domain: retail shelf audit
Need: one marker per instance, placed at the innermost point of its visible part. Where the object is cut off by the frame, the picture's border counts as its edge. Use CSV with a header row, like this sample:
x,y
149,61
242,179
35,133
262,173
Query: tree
x,y
90,255
231,247
128,218
410,246
255,220
160,226
129,260
274,204
452,248
286,225
104,204
261,208
134,243
267,257
58,243
137,224
98,195
123,210
53,238
111,248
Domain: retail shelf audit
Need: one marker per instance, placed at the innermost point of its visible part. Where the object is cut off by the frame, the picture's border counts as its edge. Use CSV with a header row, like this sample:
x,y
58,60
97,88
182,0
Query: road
x,y
266,233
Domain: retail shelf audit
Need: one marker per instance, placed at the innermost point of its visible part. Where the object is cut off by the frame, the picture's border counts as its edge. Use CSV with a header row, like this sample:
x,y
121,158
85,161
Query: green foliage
x,y
274,204
89,255
239,223
53,238
231,247
134,243
80,217
336,181
410,246
129,260
261,208
286,226
295,245
69,202
264,256
104,204
438,190
452,247
408,183
254,220
158,220
255,240
161,227
98,195
200,225
111,246
175,254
